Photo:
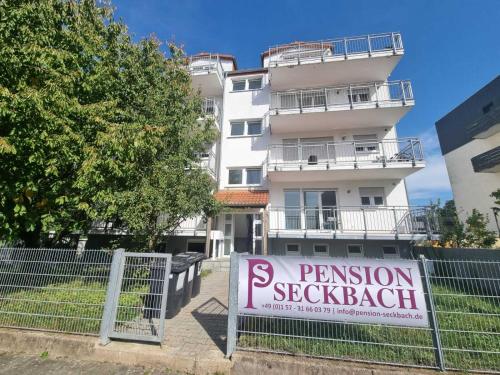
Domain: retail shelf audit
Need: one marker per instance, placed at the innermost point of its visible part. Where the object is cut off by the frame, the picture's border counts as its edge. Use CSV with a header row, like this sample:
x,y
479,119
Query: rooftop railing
x,y
394,220
322,50
350,96
353,153
205,63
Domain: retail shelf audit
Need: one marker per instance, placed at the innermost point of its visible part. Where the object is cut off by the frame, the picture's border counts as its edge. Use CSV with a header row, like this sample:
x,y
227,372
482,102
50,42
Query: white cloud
x,y
432,182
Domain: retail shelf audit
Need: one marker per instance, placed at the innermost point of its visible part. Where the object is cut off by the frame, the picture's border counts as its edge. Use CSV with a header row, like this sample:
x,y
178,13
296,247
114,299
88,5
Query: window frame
x,y
316,253
247,83
361,254
260,78
299,250
244,80
245,128
244,176
254,169
229,176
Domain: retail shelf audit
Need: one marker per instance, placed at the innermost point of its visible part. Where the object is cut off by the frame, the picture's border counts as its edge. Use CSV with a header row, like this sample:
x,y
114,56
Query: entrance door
x,y
257,234
319,207
228,234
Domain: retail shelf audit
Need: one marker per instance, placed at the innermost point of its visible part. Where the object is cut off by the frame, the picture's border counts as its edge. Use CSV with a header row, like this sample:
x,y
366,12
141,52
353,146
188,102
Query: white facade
x,y
326,149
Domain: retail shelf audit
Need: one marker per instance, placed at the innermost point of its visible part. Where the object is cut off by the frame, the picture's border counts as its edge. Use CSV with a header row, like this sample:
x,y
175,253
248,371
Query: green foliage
x,y
473,233
94,126
496,195
44,355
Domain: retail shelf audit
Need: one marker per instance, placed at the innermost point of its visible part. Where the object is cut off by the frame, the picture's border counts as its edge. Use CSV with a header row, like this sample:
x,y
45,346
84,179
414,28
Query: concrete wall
x,y
338,248
470,189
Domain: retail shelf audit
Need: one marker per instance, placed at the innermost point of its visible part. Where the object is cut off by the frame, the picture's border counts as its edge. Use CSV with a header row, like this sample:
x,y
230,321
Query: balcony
x,y
195,226
357,222
487,162
208,161
355,59
351,160
211,109
376,104
207,74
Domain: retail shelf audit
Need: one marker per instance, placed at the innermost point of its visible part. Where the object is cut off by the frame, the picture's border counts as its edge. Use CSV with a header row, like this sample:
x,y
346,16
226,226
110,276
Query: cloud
x,y
432,182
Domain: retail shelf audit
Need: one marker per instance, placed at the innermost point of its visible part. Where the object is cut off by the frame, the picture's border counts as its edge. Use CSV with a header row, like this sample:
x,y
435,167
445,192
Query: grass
x,y
457,314
74,306
205,273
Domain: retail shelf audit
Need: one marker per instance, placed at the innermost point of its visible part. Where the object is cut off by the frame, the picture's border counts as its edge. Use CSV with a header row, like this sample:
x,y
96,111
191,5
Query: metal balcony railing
x,y
344,153
205,63
208,161
347,96
321,50
210,107
356,219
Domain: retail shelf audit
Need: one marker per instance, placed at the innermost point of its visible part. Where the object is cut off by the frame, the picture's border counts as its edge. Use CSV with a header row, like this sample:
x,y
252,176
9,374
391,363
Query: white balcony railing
x,y
357,219
298,155
205,63
372,94
208,161
210,107
322,50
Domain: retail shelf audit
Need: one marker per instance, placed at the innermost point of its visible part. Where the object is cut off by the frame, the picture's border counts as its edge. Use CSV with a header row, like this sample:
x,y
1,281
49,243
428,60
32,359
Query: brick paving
x,y
199,330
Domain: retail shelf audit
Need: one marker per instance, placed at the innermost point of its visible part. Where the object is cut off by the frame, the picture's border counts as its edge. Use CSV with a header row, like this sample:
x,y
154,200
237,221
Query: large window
x,y
246,128
245,176
292,209
254,83
239,85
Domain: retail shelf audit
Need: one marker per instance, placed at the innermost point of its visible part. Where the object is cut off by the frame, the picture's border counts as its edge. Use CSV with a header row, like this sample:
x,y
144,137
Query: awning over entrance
x,y
243,198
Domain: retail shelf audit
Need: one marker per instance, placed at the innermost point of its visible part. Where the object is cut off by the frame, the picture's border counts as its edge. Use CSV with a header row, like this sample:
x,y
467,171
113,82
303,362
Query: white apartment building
x,y
309,160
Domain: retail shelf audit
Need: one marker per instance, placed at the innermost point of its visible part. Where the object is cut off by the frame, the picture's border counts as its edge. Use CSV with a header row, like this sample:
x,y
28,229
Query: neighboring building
x,y
470,142
309,161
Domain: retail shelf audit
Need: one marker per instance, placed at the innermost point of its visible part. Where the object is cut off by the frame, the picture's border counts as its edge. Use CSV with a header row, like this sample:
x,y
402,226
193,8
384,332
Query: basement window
x,y
354,250
292,249
390,251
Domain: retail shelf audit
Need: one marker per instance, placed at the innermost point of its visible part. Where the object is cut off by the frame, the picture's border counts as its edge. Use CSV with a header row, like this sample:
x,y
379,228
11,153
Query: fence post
x,y
232,314
436,337
107,315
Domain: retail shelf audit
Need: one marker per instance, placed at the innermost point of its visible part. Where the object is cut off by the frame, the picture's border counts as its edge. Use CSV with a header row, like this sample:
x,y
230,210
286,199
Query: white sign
x,y
341,289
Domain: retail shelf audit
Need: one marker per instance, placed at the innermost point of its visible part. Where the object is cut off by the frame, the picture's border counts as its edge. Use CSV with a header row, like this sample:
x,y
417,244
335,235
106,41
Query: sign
x,y
362,290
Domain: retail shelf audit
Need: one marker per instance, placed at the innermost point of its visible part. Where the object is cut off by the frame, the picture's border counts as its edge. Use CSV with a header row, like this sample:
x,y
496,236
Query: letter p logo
x,y
260,275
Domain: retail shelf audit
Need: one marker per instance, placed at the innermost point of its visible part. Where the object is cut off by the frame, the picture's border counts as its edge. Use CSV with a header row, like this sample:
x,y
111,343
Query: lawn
x,y
468,333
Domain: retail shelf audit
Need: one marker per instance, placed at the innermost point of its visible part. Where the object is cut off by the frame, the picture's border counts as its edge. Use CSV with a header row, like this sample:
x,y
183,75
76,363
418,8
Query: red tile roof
x,y
243,198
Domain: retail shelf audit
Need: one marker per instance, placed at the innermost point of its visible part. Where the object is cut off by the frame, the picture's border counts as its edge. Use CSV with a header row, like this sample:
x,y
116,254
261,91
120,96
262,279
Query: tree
x,y
54,73
473,234
94,126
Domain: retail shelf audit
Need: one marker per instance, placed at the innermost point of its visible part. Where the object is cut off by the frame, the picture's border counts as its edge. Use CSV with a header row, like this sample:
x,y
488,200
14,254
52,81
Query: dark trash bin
x,y
198,259
176,285
188,280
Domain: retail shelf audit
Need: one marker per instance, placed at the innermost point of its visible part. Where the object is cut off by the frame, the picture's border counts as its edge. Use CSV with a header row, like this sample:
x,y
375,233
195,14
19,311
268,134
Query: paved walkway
x,y
199,330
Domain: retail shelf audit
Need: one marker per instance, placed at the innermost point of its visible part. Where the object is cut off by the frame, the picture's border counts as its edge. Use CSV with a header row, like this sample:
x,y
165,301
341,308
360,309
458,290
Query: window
x,y
246,128
292,249
359,95
239,85
354,250
237,128
255,83
235,176
254,176
390,251
254,127
320,249
372,196
366,143
248,176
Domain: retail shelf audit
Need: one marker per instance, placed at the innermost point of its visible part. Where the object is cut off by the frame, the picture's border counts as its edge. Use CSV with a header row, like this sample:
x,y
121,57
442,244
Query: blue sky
x,y
452,48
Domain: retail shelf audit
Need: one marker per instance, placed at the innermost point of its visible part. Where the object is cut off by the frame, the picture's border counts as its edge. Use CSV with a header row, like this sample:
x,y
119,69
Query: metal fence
x,y
322,50
53,289
463,301
312,154
350,96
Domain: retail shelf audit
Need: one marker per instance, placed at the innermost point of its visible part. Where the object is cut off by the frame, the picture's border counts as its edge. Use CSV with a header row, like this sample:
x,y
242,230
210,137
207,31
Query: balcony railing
x,y
205,63
288,156
208,161
210,107
357,219
345,96
321,50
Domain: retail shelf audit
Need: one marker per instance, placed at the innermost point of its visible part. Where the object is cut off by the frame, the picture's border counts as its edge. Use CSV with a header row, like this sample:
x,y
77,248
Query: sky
x,y
452,49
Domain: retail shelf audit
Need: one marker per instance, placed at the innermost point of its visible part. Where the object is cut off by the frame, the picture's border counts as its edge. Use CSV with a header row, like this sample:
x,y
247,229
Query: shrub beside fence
x,y
60,290
463,299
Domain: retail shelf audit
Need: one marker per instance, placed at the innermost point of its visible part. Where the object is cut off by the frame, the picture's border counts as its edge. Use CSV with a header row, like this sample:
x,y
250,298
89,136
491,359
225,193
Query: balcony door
x,y
320,209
